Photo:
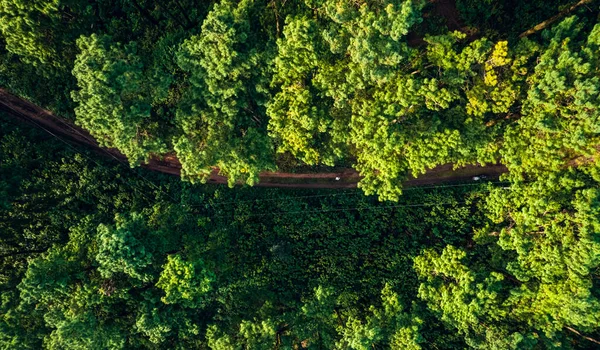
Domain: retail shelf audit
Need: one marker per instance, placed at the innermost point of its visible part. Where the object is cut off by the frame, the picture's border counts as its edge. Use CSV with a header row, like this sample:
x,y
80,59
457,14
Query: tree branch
x,y
583,336
546,23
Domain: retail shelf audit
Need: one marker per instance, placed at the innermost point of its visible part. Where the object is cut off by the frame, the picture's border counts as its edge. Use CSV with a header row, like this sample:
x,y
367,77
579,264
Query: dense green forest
x,y
99,256
95,254
382,86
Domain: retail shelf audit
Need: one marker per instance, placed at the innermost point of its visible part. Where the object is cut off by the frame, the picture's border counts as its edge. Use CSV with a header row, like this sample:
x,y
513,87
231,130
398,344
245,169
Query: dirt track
x,y
169,164
348,178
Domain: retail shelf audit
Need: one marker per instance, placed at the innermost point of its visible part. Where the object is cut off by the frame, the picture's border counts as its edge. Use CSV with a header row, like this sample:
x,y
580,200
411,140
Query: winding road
x,y
66,131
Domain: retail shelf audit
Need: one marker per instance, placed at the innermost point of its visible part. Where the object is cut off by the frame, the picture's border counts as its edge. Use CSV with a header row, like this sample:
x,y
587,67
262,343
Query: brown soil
x,y
169,164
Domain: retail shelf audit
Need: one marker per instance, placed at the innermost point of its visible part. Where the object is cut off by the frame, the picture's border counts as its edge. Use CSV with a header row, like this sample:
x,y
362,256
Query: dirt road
x,y
169,164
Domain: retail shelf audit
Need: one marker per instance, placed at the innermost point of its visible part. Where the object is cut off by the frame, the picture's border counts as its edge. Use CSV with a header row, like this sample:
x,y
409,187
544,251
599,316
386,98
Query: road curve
x,y
32,114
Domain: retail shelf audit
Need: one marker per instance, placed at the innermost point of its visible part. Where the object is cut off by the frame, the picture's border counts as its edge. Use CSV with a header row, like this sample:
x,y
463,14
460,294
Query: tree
x,y
57,284
557,128
302,119
418,118
386,325
550,231
329,70
115,104
350,87
469,301
119,251
42,32
95,256
316,323
507,19
222,123
185,282
162,324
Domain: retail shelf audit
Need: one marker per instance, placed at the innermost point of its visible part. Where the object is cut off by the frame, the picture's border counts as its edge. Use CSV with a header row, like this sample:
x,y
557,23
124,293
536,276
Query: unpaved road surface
x,y
169,164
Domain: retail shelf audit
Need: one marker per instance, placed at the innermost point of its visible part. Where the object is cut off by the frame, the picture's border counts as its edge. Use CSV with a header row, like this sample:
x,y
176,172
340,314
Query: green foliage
x,y
469,301
115,97
558,127
507,18
386,325
184,282
532,276
553,235
332,74
95,256
119,251
41,31
299,118
56,285
24,80
218,341
228,86
166,276
222,119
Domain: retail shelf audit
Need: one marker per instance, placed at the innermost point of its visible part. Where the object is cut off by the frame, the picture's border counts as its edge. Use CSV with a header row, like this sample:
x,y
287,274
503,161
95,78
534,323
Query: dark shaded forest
x,y
101,254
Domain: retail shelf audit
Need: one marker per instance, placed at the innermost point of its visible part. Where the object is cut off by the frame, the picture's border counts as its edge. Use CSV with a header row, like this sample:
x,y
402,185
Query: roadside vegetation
x,y
96,254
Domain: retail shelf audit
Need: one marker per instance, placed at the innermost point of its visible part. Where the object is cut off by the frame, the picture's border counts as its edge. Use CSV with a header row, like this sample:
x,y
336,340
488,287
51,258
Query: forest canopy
x,y
95,254
391,88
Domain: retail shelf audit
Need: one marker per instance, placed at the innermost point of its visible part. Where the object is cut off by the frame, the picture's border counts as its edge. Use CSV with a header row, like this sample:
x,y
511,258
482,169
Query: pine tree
x,y
471,302
385,326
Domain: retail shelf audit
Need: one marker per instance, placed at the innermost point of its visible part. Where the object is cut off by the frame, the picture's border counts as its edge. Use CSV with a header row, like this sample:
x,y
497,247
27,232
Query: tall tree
x,y
558,127
42,32
115,98
472,302
222,123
